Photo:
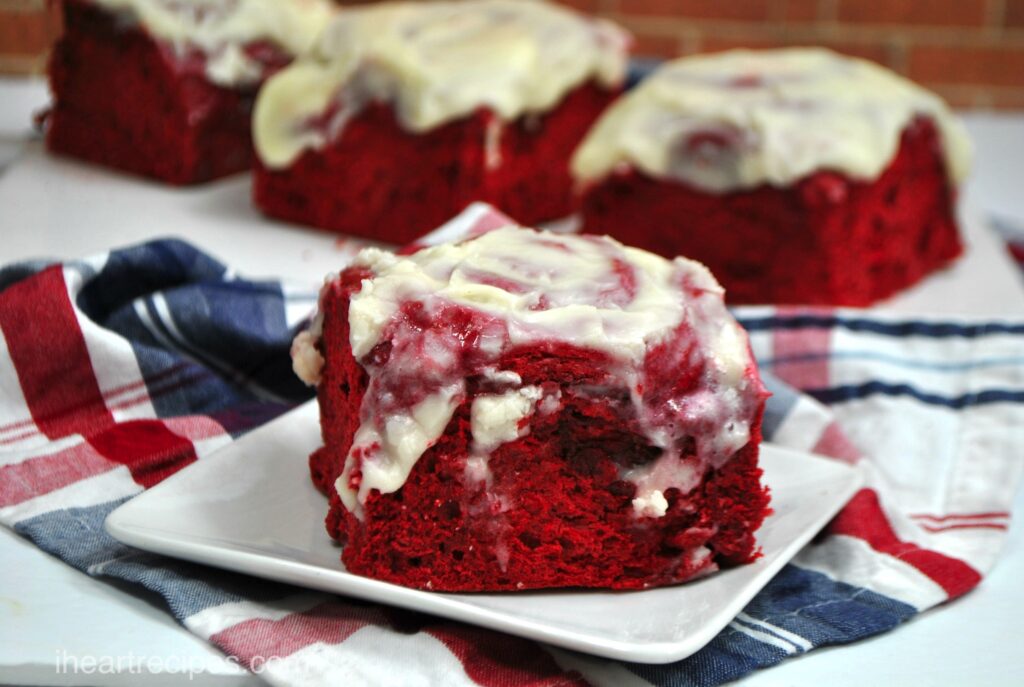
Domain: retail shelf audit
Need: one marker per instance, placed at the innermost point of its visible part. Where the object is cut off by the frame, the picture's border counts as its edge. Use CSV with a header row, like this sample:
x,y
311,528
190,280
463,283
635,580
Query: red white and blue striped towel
x,y
119,370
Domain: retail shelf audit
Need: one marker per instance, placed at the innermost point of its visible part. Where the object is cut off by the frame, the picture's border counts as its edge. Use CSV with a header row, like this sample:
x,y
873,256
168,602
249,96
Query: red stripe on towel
x,y
864,519
966,526
34,477
50,356
833,442
993,515
147,447
496,660
331,623
790,345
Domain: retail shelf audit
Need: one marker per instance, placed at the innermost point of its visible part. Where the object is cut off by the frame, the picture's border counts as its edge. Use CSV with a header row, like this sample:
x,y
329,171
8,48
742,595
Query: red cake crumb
x,y
557,509
125,100
825,240
380,181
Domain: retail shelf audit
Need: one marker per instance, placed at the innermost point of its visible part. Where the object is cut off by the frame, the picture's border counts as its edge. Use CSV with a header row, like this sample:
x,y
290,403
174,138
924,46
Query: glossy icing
x,y
435,62
222,28
739,119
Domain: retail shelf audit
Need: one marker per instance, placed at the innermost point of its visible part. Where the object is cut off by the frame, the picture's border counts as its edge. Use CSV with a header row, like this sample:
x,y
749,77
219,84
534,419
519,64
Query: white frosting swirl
x,y
739,119
544,286
221,29
520,287
435,62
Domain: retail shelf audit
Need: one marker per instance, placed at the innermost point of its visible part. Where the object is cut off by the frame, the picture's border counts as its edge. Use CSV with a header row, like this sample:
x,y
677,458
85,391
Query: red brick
x,y
1006,100
1013,14
919,12
876,52
980,97
54,21
24,6
799,11
24,33
735,10
21,64
655,45
959,97
994,66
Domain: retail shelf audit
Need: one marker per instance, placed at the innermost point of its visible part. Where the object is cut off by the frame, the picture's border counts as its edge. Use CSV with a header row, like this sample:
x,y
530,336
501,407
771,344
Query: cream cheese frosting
x,y
523,287
222,28
739,119
497,418
435,62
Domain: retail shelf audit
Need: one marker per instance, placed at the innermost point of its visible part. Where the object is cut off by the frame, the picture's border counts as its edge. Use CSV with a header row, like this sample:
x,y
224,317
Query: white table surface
x,y
47,608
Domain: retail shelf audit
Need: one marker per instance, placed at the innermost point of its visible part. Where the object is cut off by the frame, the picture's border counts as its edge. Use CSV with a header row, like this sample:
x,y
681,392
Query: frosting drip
x,y
221,30
740,119
435,62
425,324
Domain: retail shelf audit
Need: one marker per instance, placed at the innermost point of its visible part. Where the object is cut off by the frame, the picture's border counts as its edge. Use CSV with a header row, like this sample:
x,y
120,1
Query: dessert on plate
x,y
796,175
406,113
165,88
525,410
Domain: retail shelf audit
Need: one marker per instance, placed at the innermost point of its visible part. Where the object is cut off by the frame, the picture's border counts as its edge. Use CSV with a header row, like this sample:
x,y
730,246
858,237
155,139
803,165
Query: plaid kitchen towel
x,y
117,371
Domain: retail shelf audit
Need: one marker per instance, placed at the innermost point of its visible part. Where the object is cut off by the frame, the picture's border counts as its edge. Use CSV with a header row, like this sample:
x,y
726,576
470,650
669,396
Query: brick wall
x,y
970,51
26,29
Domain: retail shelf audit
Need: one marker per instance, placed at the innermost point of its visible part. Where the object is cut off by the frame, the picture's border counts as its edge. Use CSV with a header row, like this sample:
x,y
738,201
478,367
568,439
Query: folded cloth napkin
x,y
117,371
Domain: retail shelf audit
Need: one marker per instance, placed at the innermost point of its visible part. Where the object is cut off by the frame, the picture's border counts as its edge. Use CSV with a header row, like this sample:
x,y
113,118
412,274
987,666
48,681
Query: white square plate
x,y
251,507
